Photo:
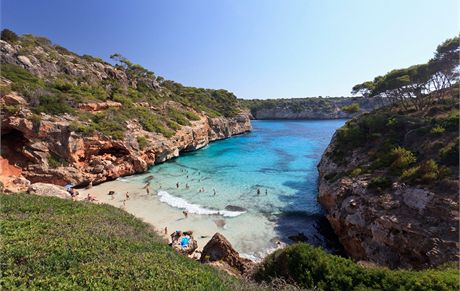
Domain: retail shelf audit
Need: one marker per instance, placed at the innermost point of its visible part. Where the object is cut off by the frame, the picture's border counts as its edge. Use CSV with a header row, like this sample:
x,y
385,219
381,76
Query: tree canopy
x,y
419,84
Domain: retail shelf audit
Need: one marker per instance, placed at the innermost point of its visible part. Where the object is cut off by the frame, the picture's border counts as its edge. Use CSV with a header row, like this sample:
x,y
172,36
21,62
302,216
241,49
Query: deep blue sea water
x,y
270,172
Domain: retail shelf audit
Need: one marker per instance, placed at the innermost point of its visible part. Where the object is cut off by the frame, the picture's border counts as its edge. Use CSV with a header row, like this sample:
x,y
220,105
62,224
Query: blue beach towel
x,y
184,242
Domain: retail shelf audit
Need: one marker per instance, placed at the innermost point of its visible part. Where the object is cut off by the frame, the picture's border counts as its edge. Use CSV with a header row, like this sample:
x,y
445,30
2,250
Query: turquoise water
x,y
270,172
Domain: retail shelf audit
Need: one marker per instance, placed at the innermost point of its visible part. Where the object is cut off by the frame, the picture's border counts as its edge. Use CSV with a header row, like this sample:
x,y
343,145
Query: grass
x,y
311,267
51,243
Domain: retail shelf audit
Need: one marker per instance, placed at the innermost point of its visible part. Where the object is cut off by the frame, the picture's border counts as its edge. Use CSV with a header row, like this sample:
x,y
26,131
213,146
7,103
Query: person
x,y
90,198
177,185
148,190
258,191
186,186
166,230
266,191
111,193
127,195
214,190
185,212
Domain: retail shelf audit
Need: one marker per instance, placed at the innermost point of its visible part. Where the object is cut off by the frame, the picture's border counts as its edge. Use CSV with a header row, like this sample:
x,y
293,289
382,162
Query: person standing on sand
x,y
127,195
185,212
166,230
147,190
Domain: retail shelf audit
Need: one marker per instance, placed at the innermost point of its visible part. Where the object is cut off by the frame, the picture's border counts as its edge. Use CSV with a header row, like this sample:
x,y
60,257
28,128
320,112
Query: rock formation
x,y
311,108
399,223
43,146
219,249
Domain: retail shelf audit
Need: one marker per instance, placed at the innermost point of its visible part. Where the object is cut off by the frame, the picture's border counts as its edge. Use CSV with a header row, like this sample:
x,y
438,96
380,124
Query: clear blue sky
x,y
254,48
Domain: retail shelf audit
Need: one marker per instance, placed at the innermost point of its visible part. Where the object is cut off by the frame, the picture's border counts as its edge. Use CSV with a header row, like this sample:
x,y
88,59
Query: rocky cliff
x,y
77,119
313,107
34,147
389,184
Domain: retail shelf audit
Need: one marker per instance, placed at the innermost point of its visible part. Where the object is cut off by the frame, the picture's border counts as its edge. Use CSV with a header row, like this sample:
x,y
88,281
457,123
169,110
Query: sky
x,y
253,48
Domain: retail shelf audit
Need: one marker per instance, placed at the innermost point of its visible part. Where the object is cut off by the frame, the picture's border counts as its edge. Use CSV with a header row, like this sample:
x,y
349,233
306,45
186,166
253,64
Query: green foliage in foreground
x,y
50,243
311,267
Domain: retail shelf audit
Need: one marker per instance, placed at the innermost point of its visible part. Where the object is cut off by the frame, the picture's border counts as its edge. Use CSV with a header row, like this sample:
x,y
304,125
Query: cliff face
x,y
389,184
77,119
312,108
51,151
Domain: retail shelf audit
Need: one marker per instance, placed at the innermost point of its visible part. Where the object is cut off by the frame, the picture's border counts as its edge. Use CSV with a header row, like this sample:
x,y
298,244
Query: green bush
x,y
311,268
356,172
450,154
52,104
191,116
57,244
55,162
402,158
425,173
437,130
8,35
451,123
379,182
352,108
350,135
142,142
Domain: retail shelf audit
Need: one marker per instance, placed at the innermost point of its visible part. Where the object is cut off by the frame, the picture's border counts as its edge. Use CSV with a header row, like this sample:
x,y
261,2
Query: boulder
x,y
220,249
45,189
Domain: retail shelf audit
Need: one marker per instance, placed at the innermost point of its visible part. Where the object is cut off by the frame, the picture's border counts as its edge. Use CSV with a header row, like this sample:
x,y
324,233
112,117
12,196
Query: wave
x,y
122,179
194,208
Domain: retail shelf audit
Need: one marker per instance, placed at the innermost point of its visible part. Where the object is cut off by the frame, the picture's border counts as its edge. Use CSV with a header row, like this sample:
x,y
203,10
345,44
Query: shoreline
x,y
151,210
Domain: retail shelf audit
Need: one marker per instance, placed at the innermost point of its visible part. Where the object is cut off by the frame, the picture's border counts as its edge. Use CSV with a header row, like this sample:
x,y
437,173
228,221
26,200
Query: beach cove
x,y
256,189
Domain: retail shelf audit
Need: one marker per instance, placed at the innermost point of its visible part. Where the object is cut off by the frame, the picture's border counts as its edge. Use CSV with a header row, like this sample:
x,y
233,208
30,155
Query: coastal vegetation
x,y
312,267
142,94
52,243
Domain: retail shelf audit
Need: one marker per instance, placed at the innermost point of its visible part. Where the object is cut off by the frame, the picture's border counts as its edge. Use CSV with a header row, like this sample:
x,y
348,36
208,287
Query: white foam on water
x,y
122,179
181,203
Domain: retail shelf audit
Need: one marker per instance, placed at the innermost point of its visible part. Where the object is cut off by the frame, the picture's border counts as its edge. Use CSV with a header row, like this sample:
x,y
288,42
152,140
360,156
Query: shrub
x,y
52,104
437,130
178,117
350,135
55,162
142,142
402,158
379,182
426,172
450,154
352,108
356,172
312,268
8,35
11,109
451,123
191,116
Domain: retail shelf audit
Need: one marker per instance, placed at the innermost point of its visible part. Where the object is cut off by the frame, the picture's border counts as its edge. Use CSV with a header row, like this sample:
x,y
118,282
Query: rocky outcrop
x,y
36,146
219,249
44,189
404,225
